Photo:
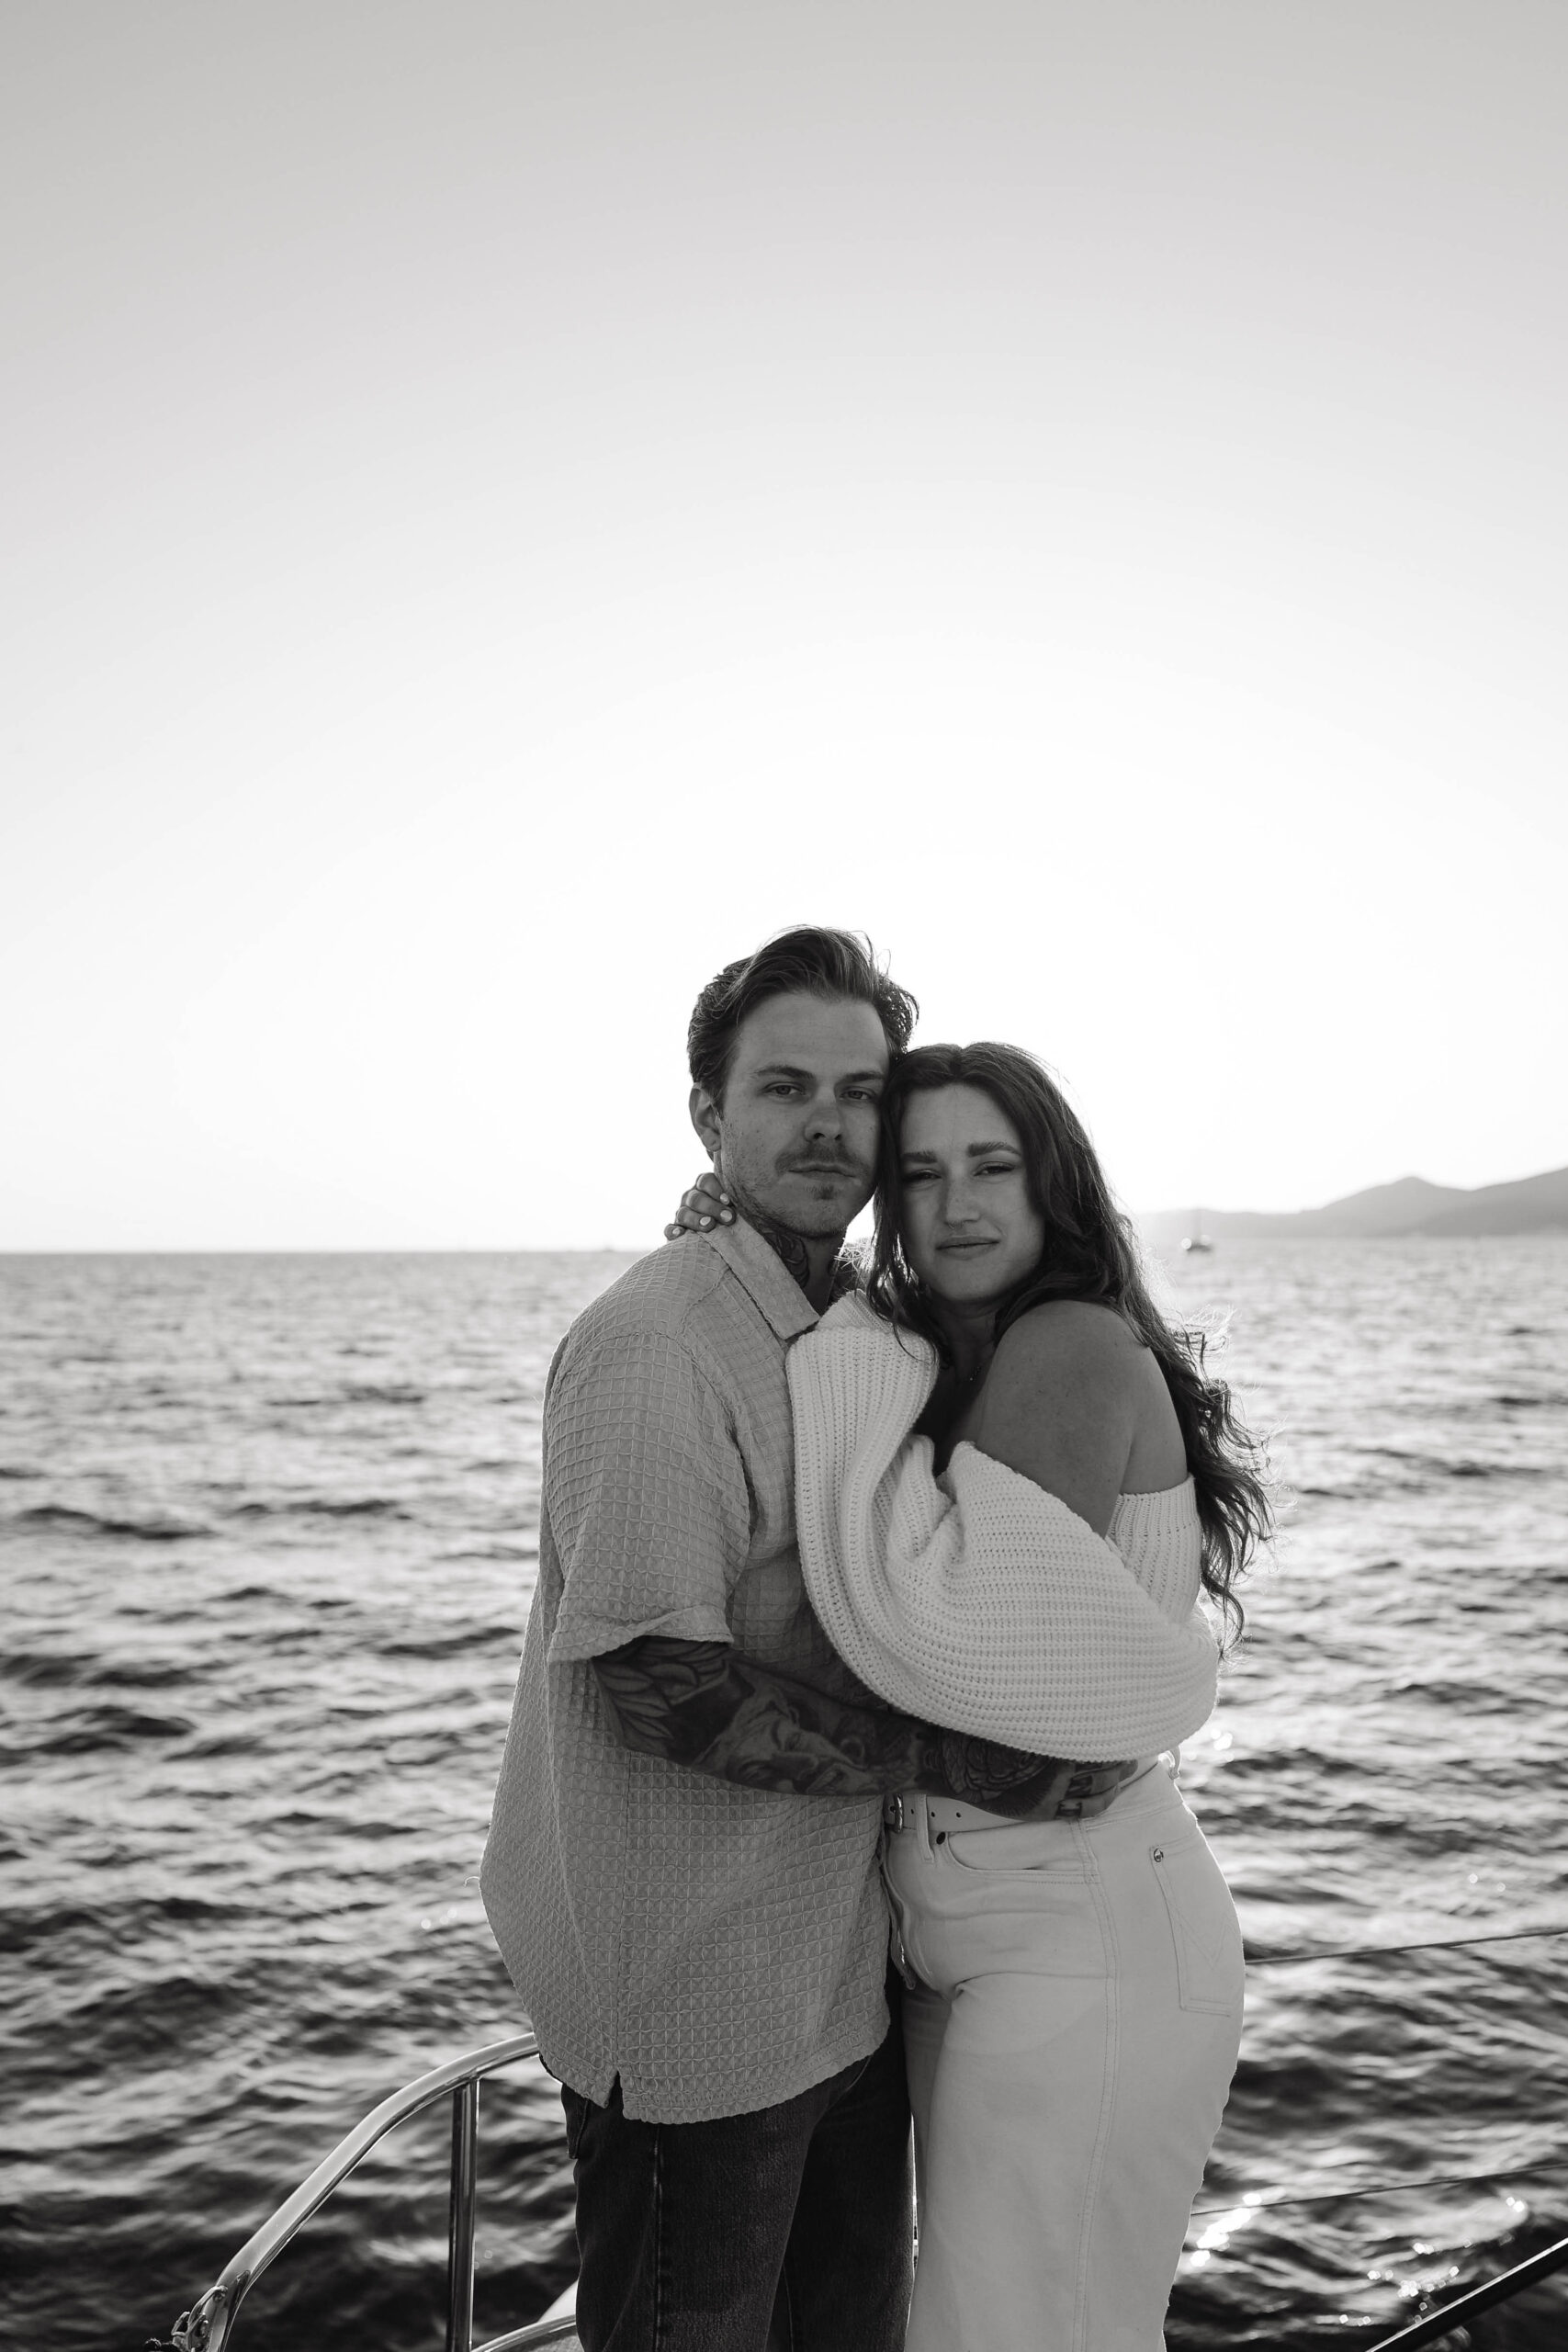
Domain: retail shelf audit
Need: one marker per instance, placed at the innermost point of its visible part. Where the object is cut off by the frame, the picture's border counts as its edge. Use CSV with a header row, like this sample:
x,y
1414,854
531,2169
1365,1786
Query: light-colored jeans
x,y
1070,2044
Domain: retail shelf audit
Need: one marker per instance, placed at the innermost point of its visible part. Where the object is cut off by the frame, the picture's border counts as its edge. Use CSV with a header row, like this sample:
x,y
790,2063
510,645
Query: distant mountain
x,y
1535,1204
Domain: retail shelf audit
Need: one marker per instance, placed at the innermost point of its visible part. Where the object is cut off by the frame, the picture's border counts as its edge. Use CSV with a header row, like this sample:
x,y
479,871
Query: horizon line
x,y
625,1249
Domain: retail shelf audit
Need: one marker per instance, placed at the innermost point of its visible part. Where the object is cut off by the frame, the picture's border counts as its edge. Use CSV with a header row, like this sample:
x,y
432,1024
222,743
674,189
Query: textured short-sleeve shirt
x,y
719,1948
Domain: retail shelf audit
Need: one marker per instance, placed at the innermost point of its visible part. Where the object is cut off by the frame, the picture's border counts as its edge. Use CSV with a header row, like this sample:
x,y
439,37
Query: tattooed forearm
x,y
704,1705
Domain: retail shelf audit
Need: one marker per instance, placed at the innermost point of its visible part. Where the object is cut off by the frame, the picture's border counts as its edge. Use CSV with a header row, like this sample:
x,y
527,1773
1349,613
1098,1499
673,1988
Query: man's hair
x,y
833,965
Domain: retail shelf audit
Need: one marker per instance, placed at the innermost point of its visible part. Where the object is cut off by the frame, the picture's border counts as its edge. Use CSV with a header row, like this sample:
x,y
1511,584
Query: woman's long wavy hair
x,y
1090,1253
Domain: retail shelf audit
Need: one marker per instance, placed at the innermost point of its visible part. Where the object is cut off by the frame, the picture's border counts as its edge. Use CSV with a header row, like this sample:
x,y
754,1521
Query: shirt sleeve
x,y
981,1602
646,1495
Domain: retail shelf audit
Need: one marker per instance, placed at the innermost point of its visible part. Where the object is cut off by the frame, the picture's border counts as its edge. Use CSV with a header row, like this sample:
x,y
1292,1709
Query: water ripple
x,y
273,1544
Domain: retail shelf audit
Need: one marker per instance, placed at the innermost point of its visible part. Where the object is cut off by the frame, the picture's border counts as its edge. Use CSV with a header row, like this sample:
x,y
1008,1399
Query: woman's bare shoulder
x,y
1062,1404
1096,1397
1070,1362
1071,1336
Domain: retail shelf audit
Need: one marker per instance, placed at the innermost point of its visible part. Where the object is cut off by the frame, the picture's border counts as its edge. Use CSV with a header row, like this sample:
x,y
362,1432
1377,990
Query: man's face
x,y
796,1134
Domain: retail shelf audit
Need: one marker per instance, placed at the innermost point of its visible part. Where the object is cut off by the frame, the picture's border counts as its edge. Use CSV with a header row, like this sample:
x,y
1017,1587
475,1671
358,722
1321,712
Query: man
x,y
682,1872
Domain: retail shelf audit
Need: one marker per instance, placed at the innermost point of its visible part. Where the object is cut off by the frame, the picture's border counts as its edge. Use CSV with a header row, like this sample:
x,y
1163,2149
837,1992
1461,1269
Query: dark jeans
x,y
787,2230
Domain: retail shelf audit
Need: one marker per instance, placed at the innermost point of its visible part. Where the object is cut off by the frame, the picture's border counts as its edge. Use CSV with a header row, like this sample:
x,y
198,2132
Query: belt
x,y
1093,1789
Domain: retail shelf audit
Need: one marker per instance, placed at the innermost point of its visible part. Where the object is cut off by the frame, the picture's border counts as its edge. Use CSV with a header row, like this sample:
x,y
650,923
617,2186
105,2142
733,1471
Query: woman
x,y
1076,1986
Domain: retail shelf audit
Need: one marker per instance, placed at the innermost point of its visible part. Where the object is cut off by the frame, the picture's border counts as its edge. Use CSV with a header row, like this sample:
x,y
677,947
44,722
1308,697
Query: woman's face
x,y
970,1231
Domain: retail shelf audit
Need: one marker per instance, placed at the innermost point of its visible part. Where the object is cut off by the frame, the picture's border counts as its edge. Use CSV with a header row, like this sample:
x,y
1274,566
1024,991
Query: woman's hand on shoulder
x,y
1062,1404
704,1205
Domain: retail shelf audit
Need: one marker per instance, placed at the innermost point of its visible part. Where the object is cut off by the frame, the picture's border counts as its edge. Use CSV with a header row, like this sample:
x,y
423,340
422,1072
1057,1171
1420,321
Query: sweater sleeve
x,y
979,1600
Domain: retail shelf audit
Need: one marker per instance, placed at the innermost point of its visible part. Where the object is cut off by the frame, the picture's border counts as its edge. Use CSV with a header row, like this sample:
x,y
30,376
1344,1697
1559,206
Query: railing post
x,y
460,2238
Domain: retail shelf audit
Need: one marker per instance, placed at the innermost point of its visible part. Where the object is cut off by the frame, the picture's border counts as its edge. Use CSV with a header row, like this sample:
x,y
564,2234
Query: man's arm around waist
x,y
707,1706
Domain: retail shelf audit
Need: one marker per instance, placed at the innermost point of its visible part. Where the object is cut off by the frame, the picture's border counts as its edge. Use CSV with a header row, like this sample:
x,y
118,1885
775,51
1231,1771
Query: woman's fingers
x,y
700,1211
708,1199
702,1205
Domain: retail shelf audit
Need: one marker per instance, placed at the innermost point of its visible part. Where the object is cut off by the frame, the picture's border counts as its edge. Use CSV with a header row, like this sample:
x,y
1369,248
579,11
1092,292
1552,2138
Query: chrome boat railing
x,y
1451,2315
206,2327
1465,2307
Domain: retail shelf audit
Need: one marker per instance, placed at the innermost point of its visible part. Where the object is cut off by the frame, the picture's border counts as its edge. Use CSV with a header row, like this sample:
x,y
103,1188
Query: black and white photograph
x,y
784,1219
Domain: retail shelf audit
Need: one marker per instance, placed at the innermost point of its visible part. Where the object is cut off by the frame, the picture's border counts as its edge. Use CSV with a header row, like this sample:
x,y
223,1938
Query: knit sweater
x,y
978,1600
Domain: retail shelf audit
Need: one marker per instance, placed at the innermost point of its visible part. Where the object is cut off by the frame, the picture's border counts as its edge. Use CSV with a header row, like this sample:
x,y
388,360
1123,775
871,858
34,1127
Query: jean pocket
x,y
1027,1850
1211,1971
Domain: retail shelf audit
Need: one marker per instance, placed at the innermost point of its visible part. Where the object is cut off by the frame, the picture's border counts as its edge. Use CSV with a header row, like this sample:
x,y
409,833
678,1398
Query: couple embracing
x,y
840,1779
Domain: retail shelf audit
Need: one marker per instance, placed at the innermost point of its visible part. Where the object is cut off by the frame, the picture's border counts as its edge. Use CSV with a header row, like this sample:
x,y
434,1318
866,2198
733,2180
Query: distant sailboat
x,y
1196,1240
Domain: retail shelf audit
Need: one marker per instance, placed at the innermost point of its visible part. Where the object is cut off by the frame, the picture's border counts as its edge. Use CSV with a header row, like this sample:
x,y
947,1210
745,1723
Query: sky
x,y
510,505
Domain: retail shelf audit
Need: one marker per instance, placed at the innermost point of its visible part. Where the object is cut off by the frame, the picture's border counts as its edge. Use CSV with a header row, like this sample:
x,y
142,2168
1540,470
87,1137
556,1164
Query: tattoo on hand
x,y
1008,1780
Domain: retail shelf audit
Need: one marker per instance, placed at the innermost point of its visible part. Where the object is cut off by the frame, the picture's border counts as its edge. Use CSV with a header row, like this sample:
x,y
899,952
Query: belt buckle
x,y
893,1811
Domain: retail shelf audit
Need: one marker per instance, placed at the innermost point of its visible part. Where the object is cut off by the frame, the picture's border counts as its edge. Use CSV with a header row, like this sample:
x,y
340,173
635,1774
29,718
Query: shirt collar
x,y
765,1277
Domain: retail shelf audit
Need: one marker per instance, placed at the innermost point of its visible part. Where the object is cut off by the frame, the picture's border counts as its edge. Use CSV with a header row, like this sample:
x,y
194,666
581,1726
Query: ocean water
x,y
267,1532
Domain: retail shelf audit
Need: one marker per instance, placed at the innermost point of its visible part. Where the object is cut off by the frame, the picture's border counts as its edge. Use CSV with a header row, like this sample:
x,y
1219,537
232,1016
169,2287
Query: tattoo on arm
x,y
704,1705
